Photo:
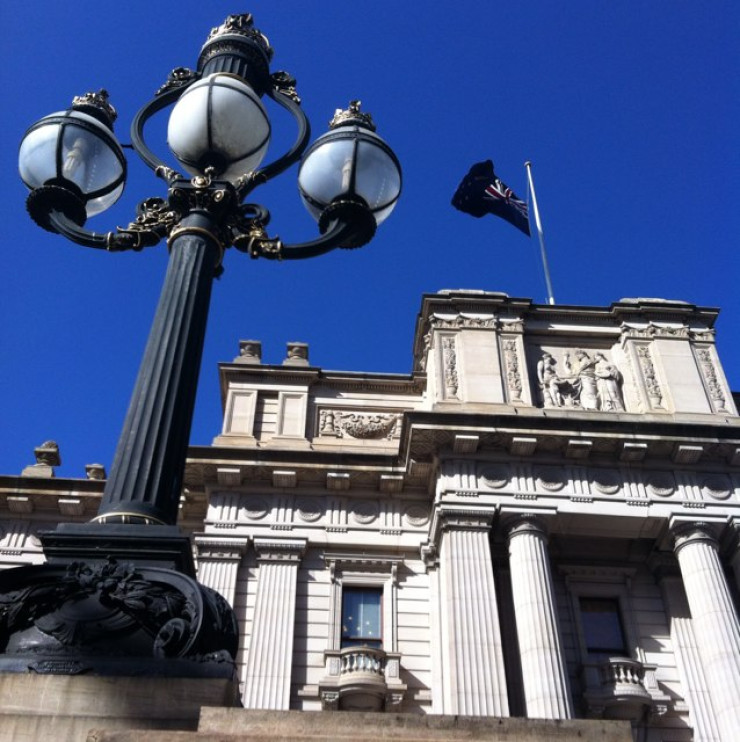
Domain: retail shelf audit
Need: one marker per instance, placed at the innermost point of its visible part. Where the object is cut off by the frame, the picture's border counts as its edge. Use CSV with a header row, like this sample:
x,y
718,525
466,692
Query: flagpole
x,y
538,223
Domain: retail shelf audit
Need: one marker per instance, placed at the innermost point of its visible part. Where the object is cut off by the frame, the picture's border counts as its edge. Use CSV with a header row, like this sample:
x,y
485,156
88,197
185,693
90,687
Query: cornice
x,y
425,435
347,381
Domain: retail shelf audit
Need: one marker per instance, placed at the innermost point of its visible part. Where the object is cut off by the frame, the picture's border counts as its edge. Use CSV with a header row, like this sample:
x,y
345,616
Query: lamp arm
x,y
58,222
338,235
162,99
290,101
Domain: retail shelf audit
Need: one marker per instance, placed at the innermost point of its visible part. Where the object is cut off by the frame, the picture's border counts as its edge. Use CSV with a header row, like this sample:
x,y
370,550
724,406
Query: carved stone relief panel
x,y
450,379
645,374
512,370
580,379
361,425
710,377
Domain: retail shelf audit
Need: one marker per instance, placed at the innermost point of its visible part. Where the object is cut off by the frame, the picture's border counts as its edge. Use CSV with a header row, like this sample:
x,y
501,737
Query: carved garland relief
x,y
360,425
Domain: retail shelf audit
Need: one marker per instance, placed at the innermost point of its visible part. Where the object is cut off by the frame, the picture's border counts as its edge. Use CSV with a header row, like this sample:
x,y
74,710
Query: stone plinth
x,y
64,708
233,725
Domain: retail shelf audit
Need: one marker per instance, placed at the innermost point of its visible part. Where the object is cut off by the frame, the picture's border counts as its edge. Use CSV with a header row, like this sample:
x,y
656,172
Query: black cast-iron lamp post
x,y
219,132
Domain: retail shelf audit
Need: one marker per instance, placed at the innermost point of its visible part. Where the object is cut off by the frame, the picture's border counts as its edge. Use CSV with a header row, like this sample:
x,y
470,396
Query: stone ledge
x,y
232,725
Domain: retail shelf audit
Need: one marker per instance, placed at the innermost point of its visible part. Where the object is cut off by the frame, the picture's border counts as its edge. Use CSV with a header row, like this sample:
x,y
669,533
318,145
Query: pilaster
x,y
218,563
545,681
270,652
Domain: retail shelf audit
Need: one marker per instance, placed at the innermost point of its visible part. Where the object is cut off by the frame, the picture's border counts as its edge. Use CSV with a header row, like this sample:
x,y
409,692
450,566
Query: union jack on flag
x,y
481,192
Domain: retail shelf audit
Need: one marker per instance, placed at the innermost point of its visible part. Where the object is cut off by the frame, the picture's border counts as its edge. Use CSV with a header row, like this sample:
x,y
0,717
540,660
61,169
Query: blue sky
x,y
629,112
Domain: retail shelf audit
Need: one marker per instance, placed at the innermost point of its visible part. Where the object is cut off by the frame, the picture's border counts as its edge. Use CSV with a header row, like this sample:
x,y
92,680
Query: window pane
x,y
361,621
602,625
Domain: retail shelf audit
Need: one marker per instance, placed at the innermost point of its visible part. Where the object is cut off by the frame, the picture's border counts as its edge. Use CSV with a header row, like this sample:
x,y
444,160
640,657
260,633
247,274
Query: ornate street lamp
x,y
219,133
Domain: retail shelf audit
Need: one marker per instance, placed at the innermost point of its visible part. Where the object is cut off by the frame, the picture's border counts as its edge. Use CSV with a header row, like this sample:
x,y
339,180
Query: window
x,y
363,601
361,617
602,626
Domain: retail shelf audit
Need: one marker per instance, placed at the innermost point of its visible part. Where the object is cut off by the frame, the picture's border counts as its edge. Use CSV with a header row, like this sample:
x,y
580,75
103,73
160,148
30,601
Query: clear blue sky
x,y
629,112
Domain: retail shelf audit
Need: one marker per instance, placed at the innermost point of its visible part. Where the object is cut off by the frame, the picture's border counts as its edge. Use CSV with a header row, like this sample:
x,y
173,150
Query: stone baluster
x,y
715,621
270,650
545,680
475,682
218,563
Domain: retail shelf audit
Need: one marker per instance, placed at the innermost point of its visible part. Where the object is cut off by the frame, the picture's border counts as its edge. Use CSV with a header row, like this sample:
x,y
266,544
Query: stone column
x,y
218,563
688,659
545,680
715,621
270,651
735,552
475,682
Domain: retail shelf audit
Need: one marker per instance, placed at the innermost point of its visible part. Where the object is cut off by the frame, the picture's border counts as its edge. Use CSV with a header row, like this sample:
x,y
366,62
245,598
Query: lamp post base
x,y
165,547
86,612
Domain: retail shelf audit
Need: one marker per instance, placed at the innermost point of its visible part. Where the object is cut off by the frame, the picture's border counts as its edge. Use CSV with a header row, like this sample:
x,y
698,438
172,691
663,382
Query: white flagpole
x,y
548,282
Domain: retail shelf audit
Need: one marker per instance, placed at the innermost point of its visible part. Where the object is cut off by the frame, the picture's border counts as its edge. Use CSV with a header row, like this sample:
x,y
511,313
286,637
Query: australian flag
x,y
481,193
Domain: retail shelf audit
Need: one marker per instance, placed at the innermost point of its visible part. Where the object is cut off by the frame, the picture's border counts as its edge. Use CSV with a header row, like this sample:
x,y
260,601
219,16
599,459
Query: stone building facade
x,y
541,520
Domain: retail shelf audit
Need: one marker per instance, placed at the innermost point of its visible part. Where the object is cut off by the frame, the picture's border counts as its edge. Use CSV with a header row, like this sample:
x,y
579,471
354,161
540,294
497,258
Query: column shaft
x,y
715,622
477,684
546,689
688,659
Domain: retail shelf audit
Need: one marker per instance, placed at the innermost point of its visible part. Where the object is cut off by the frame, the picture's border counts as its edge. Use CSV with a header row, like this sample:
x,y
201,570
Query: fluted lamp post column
x,y
218,132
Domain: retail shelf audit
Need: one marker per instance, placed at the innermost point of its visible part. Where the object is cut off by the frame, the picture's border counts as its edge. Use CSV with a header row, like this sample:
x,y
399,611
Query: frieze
x,y
652,330
550,478
717,486
662,484
495,476
463,322
365,512
512,325
360,425
417,515
605,481
309,509
580,380
254,508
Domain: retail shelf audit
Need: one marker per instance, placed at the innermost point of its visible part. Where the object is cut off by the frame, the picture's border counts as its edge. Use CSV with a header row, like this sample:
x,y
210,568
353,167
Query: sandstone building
x,y
541,520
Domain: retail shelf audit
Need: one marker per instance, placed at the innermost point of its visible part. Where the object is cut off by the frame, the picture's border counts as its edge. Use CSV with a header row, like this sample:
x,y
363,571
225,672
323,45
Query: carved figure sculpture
x,y
608,383
584,370
549,380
